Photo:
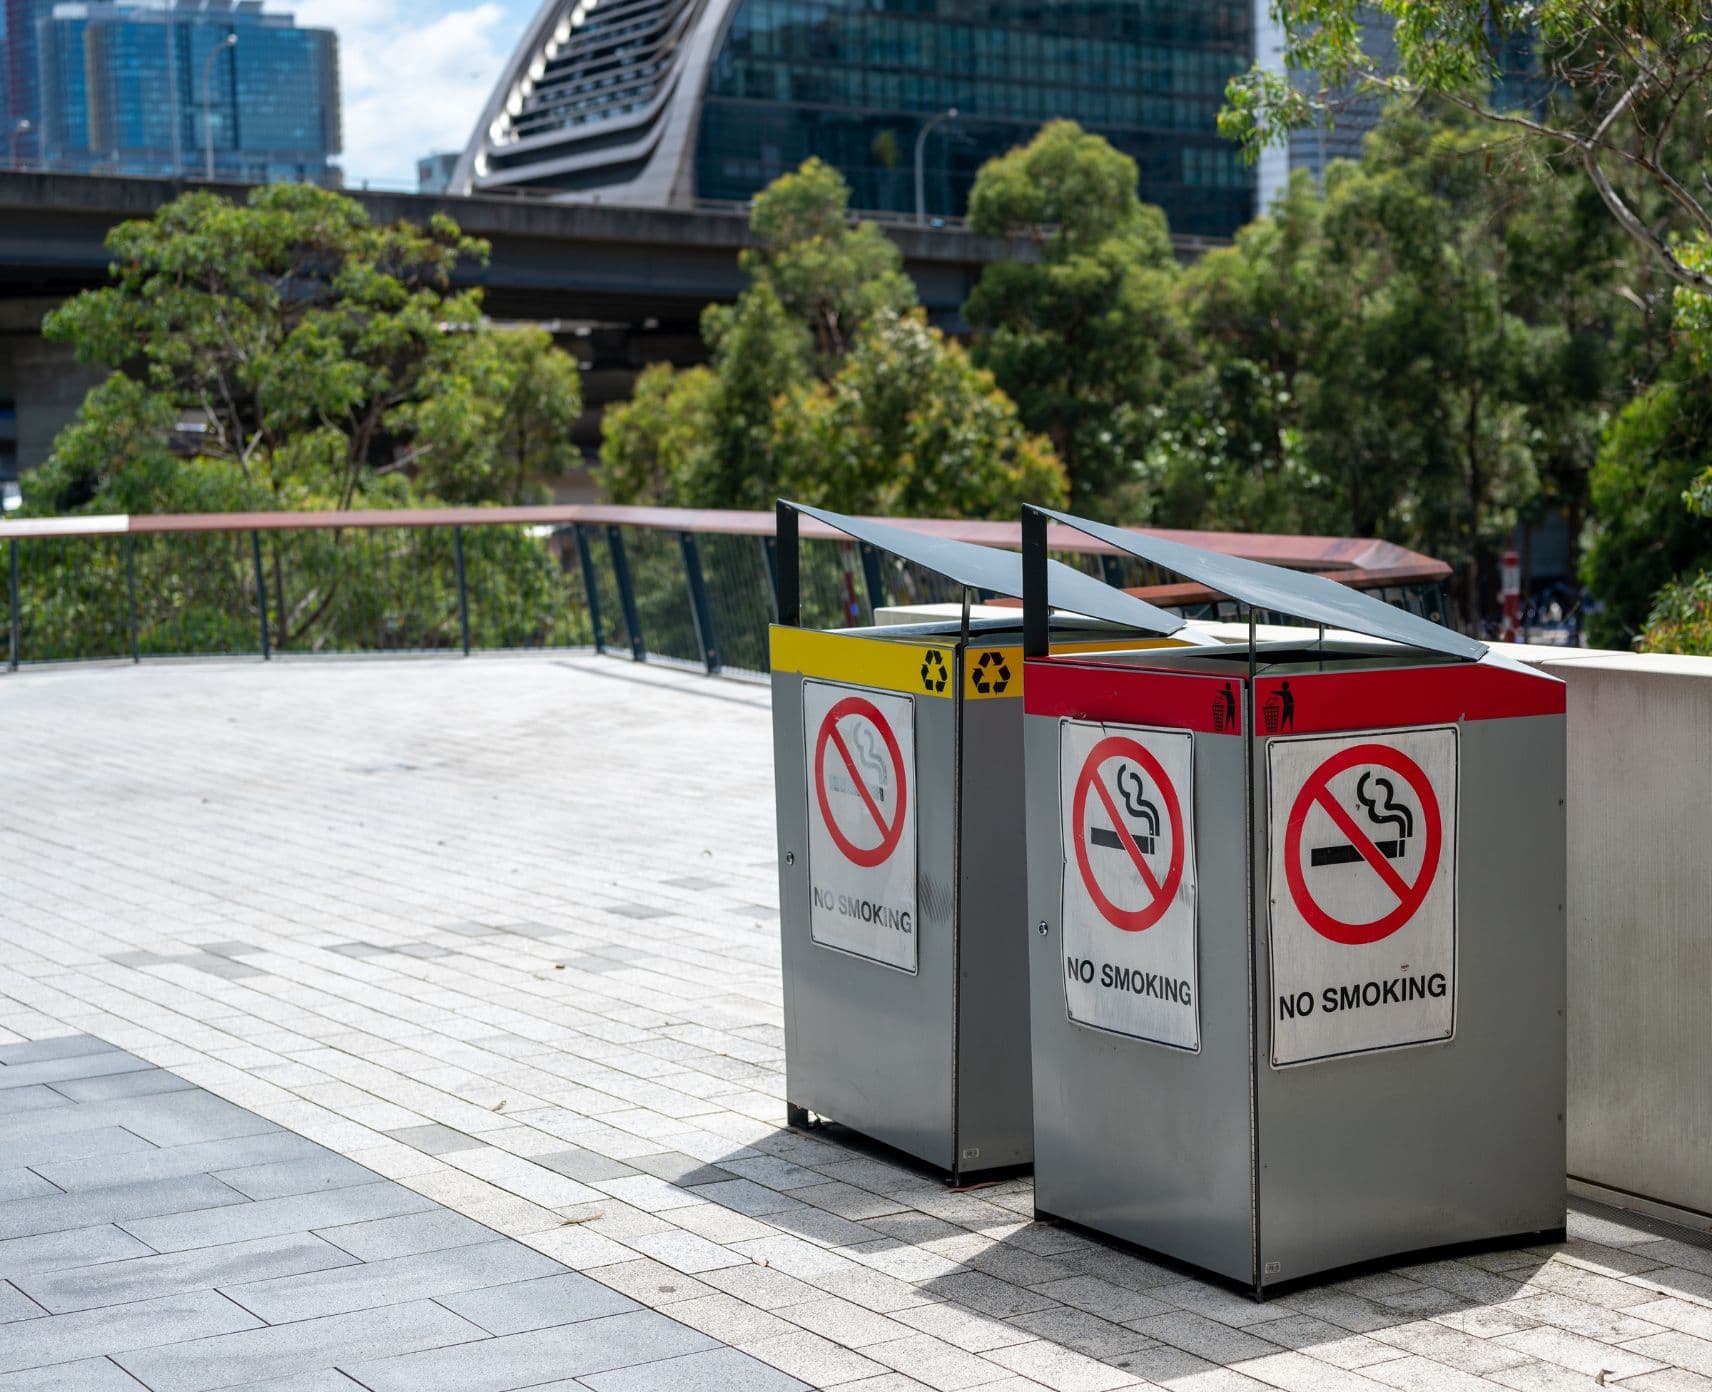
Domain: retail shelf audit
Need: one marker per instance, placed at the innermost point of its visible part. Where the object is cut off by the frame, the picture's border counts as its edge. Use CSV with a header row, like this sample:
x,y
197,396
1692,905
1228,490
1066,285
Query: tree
x,y
495,420
1645,536
300,355
1630,81
828,274
911,427
1084,338
824,383
288,353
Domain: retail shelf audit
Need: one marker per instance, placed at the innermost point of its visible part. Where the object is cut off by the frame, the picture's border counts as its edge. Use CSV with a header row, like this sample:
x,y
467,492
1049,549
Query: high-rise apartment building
x,y
672,102
156,87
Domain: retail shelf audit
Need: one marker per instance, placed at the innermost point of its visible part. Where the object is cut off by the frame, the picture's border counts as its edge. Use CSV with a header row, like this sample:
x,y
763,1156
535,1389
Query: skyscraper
x,y
152,87
22,116
670,102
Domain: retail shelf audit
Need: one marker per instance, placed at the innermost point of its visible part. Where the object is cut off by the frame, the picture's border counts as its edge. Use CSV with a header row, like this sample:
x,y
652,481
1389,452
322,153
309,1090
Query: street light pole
x,y
22,128
920,154
230,41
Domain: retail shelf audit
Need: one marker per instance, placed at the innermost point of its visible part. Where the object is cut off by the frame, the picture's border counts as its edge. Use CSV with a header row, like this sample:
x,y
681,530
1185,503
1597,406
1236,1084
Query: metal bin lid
x,y
1000,572
1292,592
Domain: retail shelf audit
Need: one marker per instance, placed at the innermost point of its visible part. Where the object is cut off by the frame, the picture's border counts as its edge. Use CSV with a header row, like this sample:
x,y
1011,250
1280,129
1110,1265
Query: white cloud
x,y
414,81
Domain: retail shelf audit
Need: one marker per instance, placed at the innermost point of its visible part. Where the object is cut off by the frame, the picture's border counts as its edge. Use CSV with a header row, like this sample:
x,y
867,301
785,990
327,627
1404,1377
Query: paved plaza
x,y
414,1026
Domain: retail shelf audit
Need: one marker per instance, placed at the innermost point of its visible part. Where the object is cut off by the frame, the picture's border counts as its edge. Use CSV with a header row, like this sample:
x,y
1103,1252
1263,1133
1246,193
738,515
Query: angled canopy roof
x,y
1000,572
1291,592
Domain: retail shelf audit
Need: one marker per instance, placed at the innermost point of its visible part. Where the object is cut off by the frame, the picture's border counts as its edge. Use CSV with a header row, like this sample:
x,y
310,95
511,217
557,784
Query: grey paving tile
x,y
41,1050
283,1178
325,1380
23,1184
539,1304
434,1139
679,1169
35,1098
119,1085
717,1370
174,1118
75,1247
257,1355
380,1238
395,1281
15,1306
584,1165
115,1203
166,1162
201,1268
171,1319
270,1217
69,1145
81,1066
84,1375
527,1360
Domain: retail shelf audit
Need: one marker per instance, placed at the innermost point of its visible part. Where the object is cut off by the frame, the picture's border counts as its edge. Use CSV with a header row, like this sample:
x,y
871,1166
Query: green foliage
x,y
825,383
911,427
495,421
1084,338
1681,618
1644,536
1629,81
828,274
287,353
294,352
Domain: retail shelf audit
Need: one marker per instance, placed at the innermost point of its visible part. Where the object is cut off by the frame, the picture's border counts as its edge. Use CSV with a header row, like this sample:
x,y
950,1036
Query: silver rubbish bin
x,y
1298,990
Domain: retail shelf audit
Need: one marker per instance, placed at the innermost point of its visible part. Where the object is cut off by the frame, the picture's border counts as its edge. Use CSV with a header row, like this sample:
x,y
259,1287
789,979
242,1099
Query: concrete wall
x,y
1640,923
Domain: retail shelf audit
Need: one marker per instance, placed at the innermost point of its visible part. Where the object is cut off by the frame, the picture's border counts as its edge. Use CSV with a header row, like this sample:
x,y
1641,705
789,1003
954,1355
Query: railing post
x,y
626,592
131,590
790,577
770,559
871,573
17,619
590,591
261,595
463,589
700,609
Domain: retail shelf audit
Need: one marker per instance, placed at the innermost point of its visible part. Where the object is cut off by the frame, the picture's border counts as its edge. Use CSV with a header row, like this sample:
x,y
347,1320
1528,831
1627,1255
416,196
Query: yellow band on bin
x,y
923,666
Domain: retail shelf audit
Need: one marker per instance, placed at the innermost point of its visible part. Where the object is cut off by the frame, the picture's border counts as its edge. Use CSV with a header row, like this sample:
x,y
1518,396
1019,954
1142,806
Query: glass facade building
x,y
129,87
673,102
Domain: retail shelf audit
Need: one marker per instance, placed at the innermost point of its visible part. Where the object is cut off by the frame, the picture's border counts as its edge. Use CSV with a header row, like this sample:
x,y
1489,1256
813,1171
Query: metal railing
x,y
686,586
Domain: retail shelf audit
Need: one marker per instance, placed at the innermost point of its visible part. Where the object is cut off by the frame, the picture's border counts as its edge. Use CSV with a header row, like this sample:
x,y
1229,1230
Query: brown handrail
x,y
1364,561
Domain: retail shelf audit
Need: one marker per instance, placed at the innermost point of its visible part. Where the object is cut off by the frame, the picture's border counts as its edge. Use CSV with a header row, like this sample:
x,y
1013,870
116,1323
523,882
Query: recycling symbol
x,y
992,674
933,673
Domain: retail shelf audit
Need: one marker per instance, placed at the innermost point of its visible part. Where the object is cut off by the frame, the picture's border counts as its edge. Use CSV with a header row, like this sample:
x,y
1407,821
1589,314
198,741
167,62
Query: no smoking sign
x,y
1362,892
862,857
1129,908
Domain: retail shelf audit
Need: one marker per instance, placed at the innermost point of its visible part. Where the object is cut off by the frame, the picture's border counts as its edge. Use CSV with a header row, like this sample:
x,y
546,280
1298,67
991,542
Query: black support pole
x,y
874,576
626,592
591,592
770,560
790,596
1036,612
261,596
17,619
463,588
700,609
131,590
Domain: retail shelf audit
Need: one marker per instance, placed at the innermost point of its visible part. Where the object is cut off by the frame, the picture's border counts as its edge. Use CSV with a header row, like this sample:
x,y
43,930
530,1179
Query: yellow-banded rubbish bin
x,y
898,768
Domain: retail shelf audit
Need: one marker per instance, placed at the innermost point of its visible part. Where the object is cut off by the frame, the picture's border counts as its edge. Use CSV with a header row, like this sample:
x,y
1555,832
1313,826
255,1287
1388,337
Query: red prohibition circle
x,y
865,856
1130,920
1318,788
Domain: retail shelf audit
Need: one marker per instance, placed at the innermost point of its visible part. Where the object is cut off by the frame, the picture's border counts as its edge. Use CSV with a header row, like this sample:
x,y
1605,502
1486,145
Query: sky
x,y
415,74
